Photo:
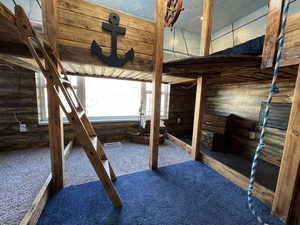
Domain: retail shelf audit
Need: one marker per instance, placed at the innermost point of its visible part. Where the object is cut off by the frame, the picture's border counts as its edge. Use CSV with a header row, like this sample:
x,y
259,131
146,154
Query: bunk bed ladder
x,y
58,82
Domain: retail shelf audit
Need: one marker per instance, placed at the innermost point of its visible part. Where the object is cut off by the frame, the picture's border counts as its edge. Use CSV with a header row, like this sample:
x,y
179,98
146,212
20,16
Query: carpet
x,y
184,194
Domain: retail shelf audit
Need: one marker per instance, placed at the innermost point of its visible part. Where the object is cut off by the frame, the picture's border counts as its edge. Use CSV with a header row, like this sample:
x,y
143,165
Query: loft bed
x,y
242,63
78,24
239,65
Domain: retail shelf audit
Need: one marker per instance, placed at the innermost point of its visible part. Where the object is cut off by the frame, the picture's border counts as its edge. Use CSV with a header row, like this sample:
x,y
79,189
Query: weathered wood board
x,y
80,22
291,52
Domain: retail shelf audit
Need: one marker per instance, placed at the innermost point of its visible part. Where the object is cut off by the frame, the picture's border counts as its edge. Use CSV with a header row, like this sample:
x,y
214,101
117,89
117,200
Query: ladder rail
x,y
77,116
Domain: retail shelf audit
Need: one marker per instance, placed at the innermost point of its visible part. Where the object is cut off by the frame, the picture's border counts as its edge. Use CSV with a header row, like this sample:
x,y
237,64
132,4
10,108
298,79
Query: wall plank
x,y
20,98
242,100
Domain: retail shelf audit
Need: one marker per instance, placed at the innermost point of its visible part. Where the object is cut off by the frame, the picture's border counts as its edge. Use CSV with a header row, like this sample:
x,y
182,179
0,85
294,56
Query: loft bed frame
x,y
217,69
62,29
77,25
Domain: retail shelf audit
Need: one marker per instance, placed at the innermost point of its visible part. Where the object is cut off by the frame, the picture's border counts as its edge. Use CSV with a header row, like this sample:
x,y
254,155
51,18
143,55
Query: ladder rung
x,y
105,164
94,140
81,113
64,81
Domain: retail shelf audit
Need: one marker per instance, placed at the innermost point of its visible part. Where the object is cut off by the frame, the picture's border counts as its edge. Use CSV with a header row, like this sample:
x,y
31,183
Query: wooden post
x,y
56,139
207,24
272,32
288,184
198,118
156,84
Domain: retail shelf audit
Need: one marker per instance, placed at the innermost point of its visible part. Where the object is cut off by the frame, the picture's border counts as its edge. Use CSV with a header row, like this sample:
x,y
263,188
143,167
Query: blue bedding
x,y
253,47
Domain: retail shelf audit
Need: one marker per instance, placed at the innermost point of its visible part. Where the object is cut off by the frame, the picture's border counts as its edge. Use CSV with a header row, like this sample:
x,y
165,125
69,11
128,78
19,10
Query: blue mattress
x,y
253,47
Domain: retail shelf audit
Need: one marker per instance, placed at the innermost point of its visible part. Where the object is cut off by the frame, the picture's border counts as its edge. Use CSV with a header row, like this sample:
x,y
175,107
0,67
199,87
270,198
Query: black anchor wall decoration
x,y
115,30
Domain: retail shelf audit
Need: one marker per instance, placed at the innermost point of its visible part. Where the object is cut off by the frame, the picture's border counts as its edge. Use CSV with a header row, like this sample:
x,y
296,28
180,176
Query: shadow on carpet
x,y
183,194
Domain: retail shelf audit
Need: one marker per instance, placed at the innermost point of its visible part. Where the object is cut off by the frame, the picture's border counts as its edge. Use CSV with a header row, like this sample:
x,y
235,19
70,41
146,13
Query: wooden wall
x,y
18,96
181,106
242,100
80,22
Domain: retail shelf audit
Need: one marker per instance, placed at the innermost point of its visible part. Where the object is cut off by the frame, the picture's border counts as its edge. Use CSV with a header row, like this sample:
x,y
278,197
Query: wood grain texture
x,y
32,216
244,101
198,118
156,85
295,214
290,54
207,26
181,109
56,139
272,32
241,100
80,22
289,179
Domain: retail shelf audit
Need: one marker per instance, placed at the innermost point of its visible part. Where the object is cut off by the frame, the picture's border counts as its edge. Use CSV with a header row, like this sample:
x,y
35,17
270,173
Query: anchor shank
x,y
114,44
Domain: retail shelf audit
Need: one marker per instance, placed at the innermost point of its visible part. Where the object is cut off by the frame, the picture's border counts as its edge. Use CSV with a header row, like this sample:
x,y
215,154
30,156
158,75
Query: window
x,y
112,98
107,99
147,98
42,99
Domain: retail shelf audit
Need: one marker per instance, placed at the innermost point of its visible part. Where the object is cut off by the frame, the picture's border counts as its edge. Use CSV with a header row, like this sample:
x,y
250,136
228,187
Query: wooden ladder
x,y
69,102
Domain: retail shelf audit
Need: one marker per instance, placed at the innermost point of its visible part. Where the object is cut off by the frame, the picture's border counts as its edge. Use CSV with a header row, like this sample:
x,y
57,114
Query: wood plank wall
x,y
181,106
242,100
18,95
80,22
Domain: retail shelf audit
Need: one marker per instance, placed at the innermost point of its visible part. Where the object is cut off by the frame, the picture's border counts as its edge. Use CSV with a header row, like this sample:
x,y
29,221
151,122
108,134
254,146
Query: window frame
x,y
41,88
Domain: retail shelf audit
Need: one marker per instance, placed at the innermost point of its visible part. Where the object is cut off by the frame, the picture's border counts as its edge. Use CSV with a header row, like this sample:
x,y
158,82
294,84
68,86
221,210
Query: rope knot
x,y
275,90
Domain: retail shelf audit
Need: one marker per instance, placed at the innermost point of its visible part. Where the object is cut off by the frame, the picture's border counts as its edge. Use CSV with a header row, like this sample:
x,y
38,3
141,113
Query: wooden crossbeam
x,y
19,62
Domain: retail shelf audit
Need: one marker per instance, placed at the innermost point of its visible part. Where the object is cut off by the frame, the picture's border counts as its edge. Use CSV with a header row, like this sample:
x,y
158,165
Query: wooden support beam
x,y
156,84
54,111
272,32
207,26
19,62
198,118
37,207
262,193
288,183
206,29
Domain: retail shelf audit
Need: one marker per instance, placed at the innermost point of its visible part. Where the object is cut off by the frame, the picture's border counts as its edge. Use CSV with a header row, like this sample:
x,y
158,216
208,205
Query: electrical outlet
x,y
178,120
23,127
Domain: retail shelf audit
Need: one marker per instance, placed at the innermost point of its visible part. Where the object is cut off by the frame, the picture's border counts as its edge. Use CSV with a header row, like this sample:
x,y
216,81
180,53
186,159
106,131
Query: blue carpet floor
x,y
182,194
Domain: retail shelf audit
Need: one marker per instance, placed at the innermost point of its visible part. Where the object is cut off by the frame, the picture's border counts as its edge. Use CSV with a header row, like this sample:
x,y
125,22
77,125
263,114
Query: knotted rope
x,y
274,89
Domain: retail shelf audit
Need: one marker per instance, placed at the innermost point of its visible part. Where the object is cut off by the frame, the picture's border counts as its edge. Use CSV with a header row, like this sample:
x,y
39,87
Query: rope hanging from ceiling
x,y
273,90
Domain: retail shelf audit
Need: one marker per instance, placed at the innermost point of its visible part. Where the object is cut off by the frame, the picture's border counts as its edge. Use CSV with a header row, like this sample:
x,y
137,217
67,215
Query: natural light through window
x,y
112,98
108,99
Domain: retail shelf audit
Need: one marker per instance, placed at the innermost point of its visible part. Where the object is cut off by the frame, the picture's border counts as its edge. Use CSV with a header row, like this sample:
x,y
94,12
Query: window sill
x,y
106,120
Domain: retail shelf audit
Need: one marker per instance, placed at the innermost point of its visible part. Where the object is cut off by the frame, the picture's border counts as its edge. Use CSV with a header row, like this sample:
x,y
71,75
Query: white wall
x,y
179,42
246,28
